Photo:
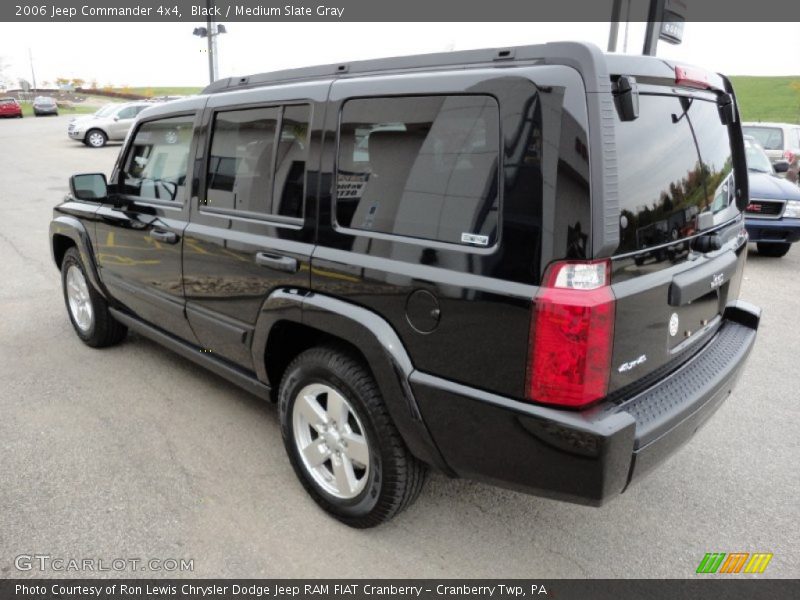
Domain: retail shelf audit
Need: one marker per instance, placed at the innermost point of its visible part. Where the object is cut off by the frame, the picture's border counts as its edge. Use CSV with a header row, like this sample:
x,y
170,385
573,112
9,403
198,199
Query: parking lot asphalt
x,y
134,452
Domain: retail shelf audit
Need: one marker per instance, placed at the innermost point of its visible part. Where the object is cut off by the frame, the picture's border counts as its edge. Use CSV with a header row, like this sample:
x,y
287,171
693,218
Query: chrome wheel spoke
x,y
312,410
345,476
356,448
337,410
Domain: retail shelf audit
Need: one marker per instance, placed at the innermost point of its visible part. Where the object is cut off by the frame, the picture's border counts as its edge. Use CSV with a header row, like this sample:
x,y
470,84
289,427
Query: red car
x,y
9,107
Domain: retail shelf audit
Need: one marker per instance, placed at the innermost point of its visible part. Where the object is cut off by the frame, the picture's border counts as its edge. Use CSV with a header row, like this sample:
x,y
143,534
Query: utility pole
x,y
33,75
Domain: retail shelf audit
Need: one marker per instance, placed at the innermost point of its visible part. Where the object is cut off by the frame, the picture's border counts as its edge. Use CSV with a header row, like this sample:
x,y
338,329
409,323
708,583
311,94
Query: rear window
x,y
771,138
665,178
421,167
7,101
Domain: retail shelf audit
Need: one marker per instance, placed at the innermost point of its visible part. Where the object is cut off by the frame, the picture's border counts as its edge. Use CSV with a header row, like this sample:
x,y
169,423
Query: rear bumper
x,y
590,456
773,230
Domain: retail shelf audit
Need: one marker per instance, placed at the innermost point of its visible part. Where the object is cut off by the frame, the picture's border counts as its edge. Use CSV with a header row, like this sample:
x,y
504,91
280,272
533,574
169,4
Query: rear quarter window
x,y
420,167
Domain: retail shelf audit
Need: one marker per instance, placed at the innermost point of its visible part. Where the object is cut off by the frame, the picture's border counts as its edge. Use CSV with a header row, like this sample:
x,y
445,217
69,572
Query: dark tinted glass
x,y
290,162
663,185
241,160
155,166
771,138
424,167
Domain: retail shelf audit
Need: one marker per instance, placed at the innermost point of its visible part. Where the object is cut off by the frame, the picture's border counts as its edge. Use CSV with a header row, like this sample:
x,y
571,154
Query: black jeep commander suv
x,y
518,265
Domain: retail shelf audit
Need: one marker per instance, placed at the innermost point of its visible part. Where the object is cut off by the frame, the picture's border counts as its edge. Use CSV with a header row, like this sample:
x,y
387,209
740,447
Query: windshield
x,y
106,110
756,159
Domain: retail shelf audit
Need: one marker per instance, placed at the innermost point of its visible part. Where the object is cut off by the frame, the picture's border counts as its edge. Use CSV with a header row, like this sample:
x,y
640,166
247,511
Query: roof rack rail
x,y
587,58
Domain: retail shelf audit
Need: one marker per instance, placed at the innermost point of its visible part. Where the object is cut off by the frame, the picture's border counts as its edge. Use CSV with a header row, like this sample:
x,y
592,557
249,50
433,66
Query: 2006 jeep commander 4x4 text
x,y
520,265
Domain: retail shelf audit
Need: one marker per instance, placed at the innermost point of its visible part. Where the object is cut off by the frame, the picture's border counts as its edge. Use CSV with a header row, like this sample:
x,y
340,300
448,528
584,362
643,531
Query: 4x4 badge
x,y
717,280
634,363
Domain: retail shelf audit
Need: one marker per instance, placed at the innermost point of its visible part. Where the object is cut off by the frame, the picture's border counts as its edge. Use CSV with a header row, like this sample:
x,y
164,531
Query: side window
x,y
423,167
155,165
128,113
290,162
251,168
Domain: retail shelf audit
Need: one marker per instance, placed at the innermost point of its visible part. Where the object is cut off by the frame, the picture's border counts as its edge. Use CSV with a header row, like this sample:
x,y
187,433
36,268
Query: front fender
x,y
75,230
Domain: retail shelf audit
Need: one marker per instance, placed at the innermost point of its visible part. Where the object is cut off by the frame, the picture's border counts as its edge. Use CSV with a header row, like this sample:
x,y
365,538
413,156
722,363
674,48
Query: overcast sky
x,y
162,54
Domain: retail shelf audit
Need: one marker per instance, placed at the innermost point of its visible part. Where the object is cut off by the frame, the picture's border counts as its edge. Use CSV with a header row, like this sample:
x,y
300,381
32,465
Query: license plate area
x,y
691,321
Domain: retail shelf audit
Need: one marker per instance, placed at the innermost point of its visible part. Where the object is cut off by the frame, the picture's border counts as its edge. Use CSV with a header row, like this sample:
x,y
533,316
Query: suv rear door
x,y
252,230
682,248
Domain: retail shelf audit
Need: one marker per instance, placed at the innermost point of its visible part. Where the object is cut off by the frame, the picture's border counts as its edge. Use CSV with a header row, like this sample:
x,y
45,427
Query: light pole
x,y
211,33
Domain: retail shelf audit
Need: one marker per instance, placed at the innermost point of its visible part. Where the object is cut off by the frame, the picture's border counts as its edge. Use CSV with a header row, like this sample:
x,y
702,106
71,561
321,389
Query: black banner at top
x,y
389,10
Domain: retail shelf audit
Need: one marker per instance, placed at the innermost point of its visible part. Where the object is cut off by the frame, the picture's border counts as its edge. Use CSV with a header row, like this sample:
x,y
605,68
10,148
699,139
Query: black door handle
x,y
168,237
279,263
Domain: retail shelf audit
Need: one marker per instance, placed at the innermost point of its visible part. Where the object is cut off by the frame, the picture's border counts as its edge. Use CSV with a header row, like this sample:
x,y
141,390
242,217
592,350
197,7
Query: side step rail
x,y
243,379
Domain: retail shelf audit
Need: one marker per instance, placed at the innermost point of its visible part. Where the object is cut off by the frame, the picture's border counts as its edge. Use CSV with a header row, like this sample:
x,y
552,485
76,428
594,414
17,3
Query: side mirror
x,y
89,186
781,166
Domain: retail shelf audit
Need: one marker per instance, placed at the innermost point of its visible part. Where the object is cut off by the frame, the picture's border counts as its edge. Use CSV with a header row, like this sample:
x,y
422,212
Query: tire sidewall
x,y
316,371
70,260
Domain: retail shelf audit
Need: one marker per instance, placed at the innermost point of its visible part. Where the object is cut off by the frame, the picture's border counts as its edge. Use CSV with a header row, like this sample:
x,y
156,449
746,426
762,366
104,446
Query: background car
x,y
44,105
781,141
772,217
9,107
112,122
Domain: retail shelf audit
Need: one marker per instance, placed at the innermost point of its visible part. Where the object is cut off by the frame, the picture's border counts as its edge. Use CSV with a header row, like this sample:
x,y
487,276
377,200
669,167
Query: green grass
x,y
27,110
768,98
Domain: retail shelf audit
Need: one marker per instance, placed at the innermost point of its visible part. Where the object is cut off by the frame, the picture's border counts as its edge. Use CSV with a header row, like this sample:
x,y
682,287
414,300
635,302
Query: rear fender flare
x,y
373,336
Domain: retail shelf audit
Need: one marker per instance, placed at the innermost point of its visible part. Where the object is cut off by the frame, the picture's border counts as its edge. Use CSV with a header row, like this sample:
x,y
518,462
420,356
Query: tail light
x,y
789,156
572,329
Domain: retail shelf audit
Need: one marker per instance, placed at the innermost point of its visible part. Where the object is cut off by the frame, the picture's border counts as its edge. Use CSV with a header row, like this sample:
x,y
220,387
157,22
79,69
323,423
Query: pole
x,y
33,75
616,9
654,15
212,74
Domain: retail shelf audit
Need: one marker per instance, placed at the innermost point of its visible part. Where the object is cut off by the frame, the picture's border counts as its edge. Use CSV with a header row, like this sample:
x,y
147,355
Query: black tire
x,y
105,330
395,477
773,249
95,138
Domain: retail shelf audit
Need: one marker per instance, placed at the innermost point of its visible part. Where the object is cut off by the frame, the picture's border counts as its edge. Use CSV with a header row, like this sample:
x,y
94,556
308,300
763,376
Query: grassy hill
x,y
768,98
160,91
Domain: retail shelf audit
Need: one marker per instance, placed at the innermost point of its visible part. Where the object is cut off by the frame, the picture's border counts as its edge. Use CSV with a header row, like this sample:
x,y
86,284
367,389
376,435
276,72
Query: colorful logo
x,y
736,562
